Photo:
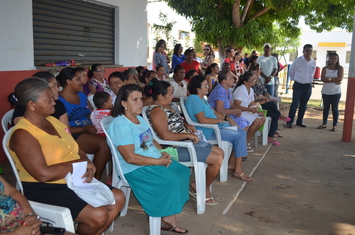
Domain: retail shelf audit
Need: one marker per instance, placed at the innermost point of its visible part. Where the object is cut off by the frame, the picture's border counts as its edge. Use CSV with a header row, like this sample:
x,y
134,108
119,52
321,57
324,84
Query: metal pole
x,y
349,103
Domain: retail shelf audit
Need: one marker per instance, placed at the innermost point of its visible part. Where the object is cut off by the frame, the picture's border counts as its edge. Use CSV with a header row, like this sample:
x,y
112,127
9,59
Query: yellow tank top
x,y
55,149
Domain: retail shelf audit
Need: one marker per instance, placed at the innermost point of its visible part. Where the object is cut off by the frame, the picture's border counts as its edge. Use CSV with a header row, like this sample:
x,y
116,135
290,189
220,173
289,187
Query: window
x,y
292,56
73,30
184,35
347,57
314,54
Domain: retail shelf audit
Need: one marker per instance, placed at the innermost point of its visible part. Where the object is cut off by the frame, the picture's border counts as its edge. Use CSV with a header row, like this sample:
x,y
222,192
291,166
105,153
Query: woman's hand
x,y
190,128
253,110
238,112
165,159
194,138
261,113
231,121
90,172
90,129
29,227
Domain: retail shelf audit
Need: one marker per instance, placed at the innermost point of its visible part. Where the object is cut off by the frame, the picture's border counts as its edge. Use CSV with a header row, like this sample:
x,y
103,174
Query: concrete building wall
x,y
16,35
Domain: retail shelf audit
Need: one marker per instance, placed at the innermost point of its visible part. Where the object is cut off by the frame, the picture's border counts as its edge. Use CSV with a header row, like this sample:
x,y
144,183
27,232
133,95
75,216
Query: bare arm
x,y
25,145
160,124
209,82
127,152
220,109
336,80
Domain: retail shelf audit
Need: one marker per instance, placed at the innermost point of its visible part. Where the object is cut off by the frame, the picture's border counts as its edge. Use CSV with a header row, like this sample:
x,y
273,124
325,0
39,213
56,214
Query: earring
x,y
125,108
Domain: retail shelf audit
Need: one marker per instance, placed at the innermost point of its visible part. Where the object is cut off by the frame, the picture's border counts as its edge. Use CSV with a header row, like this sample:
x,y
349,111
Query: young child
x,y
103,103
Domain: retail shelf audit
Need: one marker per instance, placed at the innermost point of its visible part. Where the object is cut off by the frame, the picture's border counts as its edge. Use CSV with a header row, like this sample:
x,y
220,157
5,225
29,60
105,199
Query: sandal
x,y
177,227
287,119
213,203
243,176
249,149
164,226
193,195
334,129
278,134
322,127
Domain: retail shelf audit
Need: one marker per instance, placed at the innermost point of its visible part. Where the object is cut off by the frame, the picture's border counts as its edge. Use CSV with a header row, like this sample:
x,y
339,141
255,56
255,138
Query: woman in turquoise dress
x,y
159,183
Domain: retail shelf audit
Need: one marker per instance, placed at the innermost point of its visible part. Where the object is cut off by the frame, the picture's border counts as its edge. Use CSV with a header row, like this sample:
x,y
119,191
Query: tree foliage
x,y
251,23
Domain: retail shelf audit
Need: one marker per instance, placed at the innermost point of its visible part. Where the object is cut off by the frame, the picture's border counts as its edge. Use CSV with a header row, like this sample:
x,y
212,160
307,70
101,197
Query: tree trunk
x,y
236,14
220,52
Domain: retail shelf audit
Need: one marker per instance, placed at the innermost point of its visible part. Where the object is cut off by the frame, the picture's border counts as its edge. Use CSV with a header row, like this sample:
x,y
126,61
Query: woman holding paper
x,y
200,111
44,151
267,103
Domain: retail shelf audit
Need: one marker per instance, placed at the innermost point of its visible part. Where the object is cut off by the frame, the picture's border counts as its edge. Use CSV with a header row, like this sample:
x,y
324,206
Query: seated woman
x,y
212,75
266,103
159,183
179,84
53,151
161,72
169,125
243,96
190,63
200,111
60,112
220,99
79,119
18,217
97,80
116,80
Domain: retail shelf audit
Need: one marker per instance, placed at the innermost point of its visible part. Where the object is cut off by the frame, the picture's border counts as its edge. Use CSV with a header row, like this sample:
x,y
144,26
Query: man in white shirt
x,y
302,71
268,67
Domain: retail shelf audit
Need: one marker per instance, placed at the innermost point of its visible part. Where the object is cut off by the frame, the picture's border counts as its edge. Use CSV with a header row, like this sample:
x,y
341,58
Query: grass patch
x,y
311,103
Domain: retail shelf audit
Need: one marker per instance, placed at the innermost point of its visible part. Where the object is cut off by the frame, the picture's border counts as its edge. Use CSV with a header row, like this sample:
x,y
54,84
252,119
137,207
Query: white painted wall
x,y
16,35
153,9
309,36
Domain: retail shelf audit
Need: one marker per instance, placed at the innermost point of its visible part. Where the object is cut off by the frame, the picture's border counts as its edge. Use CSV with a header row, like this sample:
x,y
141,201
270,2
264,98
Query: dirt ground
x,y
305,186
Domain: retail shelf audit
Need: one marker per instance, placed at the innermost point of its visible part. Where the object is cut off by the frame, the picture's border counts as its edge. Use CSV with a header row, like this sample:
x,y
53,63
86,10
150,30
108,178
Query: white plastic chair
x,y
119,181
264,134
56,215
225,145
6,120
200,167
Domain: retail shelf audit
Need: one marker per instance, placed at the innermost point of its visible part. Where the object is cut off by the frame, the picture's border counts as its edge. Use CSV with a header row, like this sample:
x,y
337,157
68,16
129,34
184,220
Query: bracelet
x,y
33,213
225,118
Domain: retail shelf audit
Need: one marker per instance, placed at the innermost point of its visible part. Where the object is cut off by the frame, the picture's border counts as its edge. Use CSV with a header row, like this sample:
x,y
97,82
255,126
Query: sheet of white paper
x,y
275,98
79,169
233,128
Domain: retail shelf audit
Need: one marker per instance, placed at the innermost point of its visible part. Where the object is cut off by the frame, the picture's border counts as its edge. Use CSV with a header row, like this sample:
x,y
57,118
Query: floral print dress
x,y
219,93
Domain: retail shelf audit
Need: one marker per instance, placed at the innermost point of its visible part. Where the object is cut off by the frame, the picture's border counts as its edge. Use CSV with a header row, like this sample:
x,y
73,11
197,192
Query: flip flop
x,y
213,203
278,134
274,142
193,195
241,177
285,119
164,226
175,231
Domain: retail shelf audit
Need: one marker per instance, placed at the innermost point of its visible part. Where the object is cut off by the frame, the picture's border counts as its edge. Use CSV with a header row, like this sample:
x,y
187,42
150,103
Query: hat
x,y
267,44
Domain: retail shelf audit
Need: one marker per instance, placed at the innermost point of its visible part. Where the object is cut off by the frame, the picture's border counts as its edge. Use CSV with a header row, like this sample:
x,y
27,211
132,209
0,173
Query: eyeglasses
x,y
206,86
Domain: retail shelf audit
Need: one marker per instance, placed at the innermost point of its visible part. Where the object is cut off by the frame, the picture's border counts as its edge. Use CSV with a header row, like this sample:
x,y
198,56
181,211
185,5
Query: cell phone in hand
x,y
47,228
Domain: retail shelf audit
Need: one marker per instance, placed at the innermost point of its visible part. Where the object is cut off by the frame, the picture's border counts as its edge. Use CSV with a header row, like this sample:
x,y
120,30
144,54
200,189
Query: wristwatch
x,y
225,117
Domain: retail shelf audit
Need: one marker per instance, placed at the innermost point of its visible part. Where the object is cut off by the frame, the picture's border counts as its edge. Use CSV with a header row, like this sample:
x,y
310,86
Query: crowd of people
x,y
56,125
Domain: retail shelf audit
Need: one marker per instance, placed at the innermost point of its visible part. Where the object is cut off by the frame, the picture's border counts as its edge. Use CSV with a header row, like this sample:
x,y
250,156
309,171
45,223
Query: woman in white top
x,y
243,96
332,75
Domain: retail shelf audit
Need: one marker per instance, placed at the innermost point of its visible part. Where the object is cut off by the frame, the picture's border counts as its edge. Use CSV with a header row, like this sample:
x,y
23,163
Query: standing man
x,y
302,71
268,67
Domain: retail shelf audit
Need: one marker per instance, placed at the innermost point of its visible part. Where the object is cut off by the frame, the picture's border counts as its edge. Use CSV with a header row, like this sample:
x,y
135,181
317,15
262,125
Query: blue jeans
x,y
237,138
334,101
301,95
270,89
